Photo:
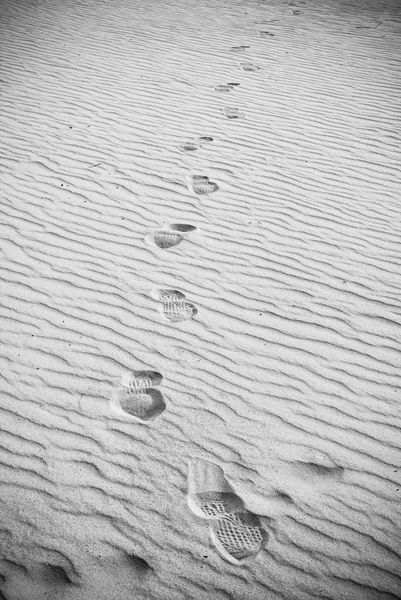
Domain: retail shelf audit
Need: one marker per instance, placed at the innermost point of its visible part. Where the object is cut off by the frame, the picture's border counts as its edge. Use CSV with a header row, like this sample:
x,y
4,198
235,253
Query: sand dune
x,y
208,191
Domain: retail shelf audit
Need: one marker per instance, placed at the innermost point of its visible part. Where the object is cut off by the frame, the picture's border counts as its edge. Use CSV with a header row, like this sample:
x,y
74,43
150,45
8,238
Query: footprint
x,y
171,235
164,239
177,310
239,48
201,185
224,88
191,145
236,533
239,537
210,496
296,12
250,67
233,113
174,306
136,399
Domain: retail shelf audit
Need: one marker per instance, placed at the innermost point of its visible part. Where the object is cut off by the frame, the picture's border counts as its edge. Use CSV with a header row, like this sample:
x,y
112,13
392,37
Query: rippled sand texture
x,y
114,128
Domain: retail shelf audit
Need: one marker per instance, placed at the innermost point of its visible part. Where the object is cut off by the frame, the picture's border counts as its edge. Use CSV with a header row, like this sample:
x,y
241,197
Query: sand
x,y
207,190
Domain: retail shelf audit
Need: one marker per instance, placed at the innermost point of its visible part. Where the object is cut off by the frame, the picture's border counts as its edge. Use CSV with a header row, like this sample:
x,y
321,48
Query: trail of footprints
x,y
235,532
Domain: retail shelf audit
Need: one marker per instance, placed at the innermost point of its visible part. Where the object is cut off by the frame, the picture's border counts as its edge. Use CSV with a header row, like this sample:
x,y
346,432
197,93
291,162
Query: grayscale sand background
x,y
288,377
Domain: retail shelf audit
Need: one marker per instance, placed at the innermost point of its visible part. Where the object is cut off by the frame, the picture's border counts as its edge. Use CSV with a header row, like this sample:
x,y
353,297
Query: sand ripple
x,y
289,375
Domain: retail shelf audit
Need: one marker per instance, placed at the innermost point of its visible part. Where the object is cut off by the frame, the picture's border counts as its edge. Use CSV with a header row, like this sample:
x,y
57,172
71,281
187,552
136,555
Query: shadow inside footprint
x,y
55,574
250,67
239,48
139,565
189,146
143,405
224,88
182,227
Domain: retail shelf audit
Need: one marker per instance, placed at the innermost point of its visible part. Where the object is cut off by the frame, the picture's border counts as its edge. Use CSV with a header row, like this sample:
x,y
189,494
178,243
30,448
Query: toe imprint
x,y
214,505
138,380
166,295
199,178
233,113
249,67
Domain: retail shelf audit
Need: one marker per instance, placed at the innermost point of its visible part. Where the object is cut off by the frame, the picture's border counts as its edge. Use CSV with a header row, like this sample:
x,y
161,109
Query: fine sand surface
x,y
255,277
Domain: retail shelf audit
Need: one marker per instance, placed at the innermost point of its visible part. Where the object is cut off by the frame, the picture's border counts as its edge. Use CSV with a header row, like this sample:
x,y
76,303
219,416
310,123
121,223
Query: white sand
x,y
288,375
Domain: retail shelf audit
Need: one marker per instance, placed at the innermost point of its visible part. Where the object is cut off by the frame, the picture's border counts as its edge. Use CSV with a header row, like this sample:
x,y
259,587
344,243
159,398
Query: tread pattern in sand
x,y
173,306
202,186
